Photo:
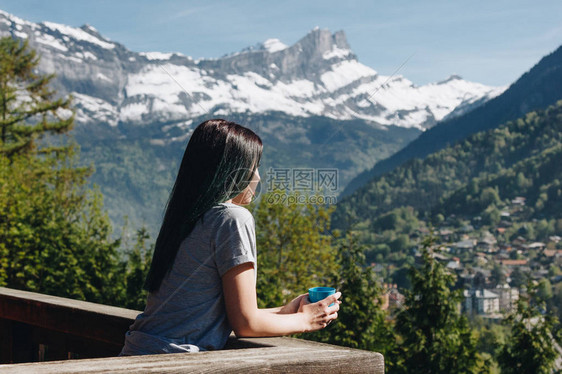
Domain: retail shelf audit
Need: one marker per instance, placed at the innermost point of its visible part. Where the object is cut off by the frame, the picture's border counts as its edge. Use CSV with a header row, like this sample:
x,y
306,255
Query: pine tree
x,y
28,108
531,348
135,267
433,337
361,322
54,234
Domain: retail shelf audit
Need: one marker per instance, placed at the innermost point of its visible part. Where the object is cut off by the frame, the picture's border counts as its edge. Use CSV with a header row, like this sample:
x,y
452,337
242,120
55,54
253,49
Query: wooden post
x,y
23,347
6,346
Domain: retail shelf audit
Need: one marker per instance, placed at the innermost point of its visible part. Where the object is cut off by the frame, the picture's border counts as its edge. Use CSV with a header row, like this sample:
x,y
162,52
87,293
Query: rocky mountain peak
x,y
453,77
93,31
309,57
319,42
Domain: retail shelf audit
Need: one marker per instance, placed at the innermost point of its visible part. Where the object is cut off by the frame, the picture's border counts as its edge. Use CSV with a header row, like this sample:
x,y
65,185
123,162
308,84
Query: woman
x,y
202,280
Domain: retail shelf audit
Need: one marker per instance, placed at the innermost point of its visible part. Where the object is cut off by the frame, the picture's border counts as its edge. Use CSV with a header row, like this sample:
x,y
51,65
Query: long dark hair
x,y
219,162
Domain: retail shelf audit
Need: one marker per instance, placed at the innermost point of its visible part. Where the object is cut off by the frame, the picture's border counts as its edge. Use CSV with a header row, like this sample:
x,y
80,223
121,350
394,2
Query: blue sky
x,y
492,42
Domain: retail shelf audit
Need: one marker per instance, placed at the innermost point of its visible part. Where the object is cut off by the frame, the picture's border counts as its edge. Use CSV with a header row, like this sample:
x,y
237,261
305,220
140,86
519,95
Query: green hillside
x,y
472,178
532,149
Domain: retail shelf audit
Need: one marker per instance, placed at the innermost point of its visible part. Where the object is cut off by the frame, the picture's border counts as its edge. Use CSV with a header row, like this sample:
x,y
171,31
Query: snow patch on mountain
x,y
78,34
274,45
156,56
343,73
10,18
48,40
91,110
336,52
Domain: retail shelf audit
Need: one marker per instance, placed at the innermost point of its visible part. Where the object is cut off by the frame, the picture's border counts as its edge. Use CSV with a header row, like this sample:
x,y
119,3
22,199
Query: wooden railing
x,y
38,331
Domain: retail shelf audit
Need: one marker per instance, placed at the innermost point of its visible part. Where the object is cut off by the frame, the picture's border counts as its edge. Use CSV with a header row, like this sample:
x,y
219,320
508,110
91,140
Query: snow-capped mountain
x,y
317,76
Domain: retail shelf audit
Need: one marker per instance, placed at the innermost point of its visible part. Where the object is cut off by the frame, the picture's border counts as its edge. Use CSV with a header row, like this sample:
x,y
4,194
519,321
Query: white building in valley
x,y
481,301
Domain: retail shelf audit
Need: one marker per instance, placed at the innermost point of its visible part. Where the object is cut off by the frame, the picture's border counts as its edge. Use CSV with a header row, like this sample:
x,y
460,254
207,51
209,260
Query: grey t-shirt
x,y
187,313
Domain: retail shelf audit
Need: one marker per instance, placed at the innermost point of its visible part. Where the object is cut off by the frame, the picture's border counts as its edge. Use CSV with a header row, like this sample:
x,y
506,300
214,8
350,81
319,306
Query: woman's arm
x,y
291,307
248,320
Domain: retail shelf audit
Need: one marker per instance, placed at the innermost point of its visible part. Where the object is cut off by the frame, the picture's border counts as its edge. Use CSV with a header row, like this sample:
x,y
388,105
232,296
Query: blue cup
x,y
320,293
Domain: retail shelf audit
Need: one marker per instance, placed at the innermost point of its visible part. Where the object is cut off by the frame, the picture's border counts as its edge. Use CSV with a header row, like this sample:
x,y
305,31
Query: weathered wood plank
x,y
273,359
69,303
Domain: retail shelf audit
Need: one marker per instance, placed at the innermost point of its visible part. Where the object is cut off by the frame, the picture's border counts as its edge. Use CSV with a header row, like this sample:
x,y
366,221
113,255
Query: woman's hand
x,y
318,315
293,305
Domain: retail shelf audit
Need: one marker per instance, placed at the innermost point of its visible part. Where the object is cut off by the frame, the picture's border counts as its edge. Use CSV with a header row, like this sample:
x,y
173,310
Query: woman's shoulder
x,y
228,211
